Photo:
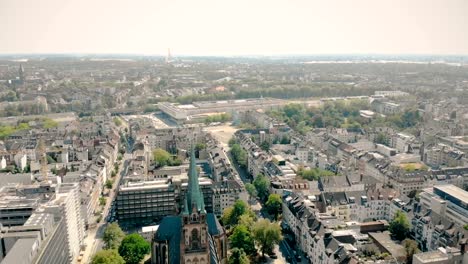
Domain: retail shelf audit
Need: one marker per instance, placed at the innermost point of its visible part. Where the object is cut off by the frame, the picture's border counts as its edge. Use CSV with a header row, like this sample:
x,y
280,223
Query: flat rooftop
x,y
454,191
431,257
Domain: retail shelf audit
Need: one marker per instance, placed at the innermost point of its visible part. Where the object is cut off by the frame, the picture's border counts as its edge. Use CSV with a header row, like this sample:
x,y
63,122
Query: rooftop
x,y
453,190
431,257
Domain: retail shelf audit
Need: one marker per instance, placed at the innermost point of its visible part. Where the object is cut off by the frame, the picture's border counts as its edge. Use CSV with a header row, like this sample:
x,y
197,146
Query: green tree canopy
x,y
161,157
247,220
238,256
314,174
109,184
411,248
273,205
242,238
266,234
108,256
231,215
134,248
113,236
117,121
399,226
251,190
239,155
262,184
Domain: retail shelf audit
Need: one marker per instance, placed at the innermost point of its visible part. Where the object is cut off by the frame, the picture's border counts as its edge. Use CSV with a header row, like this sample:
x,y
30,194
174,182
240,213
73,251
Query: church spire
x,y
194,198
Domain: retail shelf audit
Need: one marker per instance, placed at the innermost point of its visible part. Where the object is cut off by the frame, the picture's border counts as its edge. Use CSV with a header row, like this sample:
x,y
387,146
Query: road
x,y
94,240
223,134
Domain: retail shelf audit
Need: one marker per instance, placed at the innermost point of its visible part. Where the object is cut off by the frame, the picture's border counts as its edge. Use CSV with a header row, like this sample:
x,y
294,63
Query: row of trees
x,y
224,117
239,155
121,248
247,233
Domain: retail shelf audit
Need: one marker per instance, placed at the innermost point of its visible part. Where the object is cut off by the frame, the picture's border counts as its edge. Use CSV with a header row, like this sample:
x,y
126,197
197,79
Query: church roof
x,y
170,230
214,227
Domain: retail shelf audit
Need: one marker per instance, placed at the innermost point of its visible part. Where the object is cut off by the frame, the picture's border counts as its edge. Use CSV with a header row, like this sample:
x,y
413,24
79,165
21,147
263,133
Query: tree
x,y
226,217
108,256
411,248
247,220
273,205
238,256
251,190
399,226
242,238
109,184
265,145
262,184
117,121
102,201
381,138
239,155
266,234
232,141
161,157
134,248
113,236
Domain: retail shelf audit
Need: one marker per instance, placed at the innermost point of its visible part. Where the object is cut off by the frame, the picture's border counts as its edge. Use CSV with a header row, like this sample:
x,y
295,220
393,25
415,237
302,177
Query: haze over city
x,y
209,27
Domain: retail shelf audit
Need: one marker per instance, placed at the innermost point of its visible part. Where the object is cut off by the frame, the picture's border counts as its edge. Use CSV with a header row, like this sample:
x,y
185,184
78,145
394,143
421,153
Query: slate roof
x,y
214,227
170,230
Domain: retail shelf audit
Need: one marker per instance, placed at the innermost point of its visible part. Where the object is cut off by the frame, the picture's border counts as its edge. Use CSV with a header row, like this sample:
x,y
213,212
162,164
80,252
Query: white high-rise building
x,y
67,205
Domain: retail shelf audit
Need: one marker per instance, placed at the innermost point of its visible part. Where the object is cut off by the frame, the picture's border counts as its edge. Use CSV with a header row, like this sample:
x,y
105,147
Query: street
x,y
283,251
94,241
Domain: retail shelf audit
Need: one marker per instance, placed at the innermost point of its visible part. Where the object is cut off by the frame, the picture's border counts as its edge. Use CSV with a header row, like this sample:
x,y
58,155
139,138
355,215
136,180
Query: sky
x,y
234,27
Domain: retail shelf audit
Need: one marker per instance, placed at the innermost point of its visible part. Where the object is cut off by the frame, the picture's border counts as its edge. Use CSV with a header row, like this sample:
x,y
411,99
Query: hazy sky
x,y
234,27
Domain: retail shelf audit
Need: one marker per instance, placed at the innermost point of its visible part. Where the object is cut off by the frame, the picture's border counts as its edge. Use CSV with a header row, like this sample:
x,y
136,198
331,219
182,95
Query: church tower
x,y
194,237
21,73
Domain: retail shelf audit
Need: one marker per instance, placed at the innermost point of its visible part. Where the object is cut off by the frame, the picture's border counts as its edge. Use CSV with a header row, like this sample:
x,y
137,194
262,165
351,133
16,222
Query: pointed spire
x,y
194,197
185,209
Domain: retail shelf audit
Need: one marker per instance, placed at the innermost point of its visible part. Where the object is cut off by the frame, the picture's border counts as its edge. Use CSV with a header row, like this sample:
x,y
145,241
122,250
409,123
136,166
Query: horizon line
x,y
83,54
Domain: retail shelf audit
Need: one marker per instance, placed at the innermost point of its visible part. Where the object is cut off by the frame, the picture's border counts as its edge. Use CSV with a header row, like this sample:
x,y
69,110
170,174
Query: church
x,y
194,236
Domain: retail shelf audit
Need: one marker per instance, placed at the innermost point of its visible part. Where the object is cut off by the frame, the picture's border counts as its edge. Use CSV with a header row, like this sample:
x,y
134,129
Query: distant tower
x,y
21,73
169,56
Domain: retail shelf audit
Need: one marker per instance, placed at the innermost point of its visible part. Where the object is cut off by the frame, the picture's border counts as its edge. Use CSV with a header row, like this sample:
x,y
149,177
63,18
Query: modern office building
x,y
148,202
447,201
